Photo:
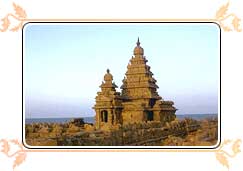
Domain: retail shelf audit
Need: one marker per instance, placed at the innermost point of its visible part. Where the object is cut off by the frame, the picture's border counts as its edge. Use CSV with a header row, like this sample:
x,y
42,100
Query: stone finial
x,y
138,43
108,77
138,50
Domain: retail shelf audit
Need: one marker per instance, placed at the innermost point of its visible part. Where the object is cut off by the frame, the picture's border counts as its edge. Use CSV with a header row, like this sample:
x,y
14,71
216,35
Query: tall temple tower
x,y
139,100
139,90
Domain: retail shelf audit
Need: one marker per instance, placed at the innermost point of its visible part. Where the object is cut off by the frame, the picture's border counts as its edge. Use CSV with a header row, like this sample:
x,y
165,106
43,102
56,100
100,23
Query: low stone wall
x,y
150,133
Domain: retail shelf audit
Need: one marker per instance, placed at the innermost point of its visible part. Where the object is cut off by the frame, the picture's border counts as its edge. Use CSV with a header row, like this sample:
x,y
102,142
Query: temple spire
x,y
138,42
138,50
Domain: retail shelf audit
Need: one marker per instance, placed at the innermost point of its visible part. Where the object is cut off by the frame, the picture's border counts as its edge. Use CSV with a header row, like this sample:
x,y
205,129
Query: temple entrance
x,y
150,115
104,116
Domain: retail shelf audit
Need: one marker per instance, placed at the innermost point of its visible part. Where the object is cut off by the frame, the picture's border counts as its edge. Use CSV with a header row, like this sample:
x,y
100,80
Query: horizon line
x,y
94,116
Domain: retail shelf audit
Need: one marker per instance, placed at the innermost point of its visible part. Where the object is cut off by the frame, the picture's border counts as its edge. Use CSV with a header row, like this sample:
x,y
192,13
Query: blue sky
x,y
64,64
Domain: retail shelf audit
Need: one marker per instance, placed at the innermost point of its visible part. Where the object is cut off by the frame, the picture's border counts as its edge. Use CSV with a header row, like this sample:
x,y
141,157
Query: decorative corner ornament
x,y
19,16
18,154
223,156
222,16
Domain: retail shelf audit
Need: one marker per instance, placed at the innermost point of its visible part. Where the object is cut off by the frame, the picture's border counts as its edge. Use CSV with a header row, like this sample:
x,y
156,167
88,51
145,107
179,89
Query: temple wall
x,y
156,115
132,116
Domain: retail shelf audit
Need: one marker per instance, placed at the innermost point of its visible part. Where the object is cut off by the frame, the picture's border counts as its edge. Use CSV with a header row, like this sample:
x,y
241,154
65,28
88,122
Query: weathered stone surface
x,y
72,129
88,127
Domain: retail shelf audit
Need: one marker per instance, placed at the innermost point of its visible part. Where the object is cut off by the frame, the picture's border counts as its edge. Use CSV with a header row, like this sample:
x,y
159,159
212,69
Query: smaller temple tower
x,y
108,105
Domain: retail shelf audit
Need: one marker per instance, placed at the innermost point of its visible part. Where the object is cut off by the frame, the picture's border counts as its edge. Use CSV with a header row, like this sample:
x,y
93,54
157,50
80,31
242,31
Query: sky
x,y
64,64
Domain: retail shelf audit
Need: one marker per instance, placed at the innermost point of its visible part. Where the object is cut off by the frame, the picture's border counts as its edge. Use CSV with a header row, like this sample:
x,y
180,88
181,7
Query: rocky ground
x,y
206,135
186,132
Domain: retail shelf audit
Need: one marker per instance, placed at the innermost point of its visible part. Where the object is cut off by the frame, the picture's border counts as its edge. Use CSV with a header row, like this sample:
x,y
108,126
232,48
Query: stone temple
x,y
138,101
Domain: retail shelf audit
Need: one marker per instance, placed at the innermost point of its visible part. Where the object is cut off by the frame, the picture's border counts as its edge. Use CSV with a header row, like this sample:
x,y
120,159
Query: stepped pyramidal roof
x,y
139,77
